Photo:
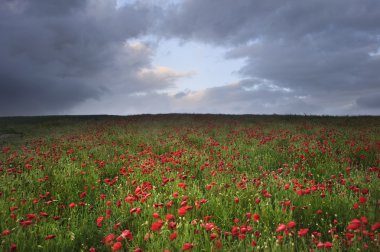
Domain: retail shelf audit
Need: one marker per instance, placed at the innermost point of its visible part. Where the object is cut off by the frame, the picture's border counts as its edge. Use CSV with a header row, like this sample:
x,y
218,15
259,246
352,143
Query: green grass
x,y
296,166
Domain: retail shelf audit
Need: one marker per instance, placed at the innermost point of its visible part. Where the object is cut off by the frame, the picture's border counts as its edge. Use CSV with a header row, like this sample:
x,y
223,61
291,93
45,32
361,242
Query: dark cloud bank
x,y
315,57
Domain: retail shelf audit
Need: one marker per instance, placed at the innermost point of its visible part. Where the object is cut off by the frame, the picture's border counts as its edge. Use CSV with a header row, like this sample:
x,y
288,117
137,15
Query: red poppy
x,y
156,215
328,245
156,226
303,231
362,200
117,246
182,185
99,221
187,246
13,247
291,224
375,226
173,236
355,224
172,225
136,210
256,217
108,240
125,234
49,237
320,245
182,211
6,232
281,228
26,223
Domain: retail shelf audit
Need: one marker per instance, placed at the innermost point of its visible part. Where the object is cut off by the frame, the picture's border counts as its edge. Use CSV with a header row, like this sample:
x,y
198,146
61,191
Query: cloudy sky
x,y
189,56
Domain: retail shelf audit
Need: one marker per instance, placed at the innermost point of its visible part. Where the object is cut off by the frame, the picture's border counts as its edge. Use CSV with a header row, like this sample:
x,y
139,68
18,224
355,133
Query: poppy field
x,y
190,183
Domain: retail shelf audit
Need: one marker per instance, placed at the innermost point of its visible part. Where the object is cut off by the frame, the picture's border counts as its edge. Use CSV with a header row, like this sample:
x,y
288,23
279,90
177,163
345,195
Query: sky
x,y
123,57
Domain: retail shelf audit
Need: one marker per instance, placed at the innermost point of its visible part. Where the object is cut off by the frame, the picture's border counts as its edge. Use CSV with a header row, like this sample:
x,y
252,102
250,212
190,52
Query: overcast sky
x,y
189,56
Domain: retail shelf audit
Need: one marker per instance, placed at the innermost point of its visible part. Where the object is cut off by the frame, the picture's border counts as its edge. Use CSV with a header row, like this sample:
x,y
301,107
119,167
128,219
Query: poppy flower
x,y
281,228
13,247
156,226
320,245
6,232
182,185
136,210
156,215
125,234
291,224
49,237
108,240
362,200
173,236
256,217
355,224
99,221
187,246
26,223
182,211
328,245
172,225
117,246
375,226
303,231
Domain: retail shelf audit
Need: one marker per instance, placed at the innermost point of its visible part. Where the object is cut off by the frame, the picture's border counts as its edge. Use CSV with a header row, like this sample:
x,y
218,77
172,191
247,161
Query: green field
x,y
190,182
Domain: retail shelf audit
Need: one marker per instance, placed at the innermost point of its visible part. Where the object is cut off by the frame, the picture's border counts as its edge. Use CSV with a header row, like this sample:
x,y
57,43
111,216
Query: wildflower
x,y
125,234
303,231
156,215
117,246
6,232
281,228
108,240
49,237
136,210
328,245
172,225
291,224
156,226
99,221
375,226
355,224
173,236
187,246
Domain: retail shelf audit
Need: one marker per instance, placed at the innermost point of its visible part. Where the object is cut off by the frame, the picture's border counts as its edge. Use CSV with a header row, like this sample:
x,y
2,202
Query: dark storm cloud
x,y
321,50
370,101
56,54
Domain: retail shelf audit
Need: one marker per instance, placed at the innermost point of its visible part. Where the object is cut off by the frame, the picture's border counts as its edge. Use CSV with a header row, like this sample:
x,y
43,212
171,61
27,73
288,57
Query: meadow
x,y
190,183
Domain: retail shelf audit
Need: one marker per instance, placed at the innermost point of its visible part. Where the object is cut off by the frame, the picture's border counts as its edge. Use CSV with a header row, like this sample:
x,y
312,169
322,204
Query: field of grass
x,y
190,182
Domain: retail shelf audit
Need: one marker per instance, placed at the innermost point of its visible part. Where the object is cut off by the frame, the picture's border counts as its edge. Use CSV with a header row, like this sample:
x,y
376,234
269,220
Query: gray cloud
x,y
320,50
81,56
56,55
369,101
